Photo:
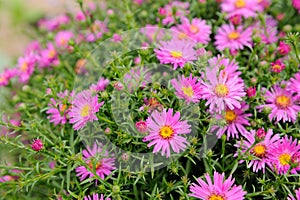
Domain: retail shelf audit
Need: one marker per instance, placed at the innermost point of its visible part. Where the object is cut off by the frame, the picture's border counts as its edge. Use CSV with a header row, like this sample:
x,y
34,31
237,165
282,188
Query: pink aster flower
x,y
141,126
116,38
282,104
197,30
48,57
167,12
84,109
217,189
102,166
6,178
26,67
118,86
62,38
95,197
283,48
53,23
7,75
37,145
59,109
251,91
235,119
176,52
233,38
235,19
291,197
222,92
187,88
80,16
260,148
165,130
100,86
137,78
33,47
294,85
277,66
296,4
268,32
97,29
245,8
152,32
281,154
225,66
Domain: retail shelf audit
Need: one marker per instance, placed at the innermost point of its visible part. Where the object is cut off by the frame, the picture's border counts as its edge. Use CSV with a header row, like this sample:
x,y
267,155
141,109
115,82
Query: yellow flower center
x,y
182,36
176,54
166,132
276,67
24,66
194,29
283,101
2,78
259,150
233,35
52,53
188,91
284,159
63,108
230,116
98,165
216,197
240,3
221,90
85,111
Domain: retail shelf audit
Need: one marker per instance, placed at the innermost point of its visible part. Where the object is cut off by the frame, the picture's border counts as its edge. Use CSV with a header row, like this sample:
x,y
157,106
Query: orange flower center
x,y
153,102
24,66
283,101
240,3
98,165
166,132
233,35
216,197
194,29
230,116
259,150
188,91
182,36
85,111
284,159
276,67
52,53
95,27
176,54
63,41
63,108
221,90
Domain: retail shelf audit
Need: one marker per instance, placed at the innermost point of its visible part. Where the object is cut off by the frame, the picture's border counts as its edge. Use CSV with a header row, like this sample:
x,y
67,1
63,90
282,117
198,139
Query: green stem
x,y
296,51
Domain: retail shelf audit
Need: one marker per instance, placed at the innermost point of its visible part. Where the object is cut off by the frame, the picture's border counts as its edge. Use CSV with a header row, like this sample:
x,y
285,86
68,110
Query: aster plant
x,y
143,99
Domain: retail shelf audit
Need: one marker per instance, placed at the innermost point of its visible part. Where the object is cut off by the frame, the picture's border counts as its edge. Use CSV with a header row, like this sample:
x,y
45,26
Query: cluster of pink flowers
x,y
219,85
282,155
167,12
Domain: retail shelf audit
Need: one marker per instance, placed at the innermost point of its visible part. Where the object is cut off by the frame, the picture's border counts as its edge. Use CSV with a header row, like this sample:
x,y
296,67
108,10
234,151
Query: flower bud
x,y
37,145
